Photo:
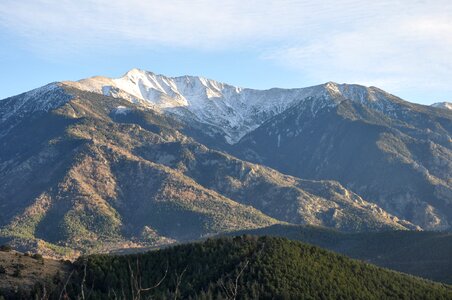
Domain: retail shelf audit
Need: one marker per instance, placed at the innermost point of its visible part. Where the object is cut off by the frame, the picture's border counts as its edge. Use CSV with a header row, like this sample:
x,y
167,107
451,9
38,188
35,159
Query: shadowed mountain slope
x,y
399,156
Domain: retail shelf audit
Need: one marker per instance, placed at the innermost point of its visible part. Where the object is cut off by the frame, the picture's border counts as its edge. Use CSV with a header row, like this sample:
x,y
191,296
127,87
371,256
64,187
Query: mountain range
x,y
147,160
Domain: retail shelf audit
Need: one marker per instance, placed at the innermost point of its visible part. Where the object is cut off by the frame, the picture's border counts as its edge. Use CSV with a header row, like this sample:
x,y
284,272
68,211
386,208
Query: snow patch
x,y
121,110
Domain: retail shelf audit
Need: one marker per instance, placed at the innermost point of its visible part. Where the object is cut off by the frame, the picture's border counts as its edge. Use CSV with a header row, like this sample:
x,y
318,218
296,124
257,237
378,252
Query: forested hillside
x,y
421,253
243,267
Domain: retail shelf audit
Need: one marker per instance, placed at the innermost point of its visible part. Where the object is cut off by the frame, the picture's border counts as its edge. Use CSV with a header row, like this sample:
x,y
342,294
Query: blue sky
x,y
404,47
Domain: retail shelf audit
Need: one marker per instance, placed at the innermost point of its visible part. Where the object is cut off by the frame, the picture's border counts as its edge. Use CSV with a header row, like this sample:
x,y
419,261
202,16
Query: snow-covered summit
x,y
445,105
232,110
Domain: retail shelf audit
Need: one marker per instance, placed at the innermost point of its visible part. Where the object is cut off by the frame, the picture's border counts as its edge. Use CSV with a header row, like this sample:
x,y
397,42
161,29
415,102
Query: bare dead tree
x,y
236,282
135,281
132,281
44,296
116,296
44,292
63,290
82,285
110,292
231,287
178,282
123,293
91,290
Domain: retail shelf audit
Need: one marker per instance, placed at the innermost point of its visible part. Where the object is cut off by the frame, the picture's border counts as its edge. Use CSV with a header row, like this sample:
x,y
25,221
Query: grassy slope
x,y
23,272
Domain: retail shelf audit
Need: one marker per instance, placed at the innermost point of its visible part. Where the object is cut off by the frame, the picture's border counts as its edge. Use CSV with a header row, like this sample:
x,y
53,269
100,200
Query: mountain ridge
x,y
235,111
87,177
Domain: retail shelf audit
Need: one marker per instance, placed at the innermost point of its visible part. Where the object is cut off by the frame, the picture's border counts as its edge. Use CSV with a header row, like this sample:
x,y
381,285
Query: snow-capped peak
x,y
445,105
232,110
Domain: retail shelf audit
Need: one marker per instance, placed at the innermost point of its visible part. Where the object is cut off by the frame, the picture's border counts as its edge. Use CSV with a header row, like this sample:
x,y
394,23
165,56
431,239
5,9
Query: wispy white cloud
x,y
388,43
197,24
397,53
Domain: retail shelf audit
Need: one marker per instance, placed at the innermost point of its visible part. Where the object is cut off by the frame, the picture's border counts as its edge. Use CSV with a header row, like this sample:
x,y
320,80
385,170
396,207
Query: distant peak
x,y
137,72
445,105
332,87
331,83
233,110
344,86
